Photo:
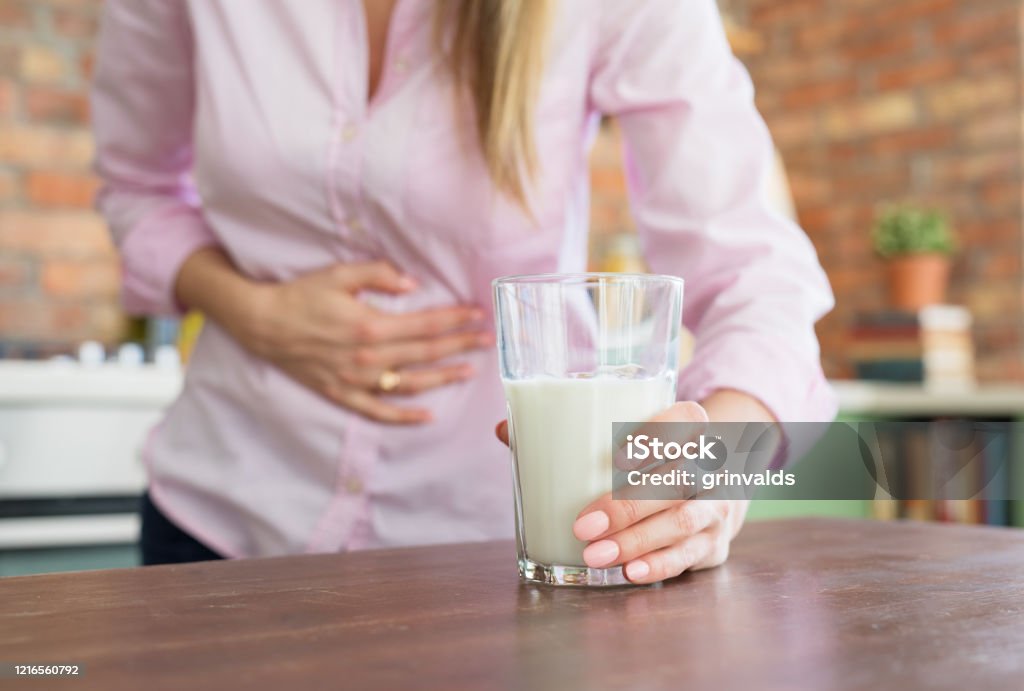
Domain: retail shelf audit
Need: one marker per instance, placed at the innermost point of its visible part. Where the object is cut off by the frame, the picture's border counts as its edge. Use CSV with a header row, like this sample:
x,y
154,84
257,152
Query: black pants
x,y
163,542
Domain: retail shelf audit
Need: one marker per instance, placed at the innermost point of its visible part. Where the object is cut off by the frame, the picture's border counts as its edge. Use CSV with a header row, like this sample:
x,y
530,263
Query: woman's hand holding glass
x,y
657,539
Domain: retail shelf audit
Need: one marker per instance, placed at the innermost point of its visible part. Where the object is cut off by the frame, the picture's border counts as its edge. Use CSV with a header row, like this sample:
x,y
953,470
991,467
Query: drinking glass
x,y
578,352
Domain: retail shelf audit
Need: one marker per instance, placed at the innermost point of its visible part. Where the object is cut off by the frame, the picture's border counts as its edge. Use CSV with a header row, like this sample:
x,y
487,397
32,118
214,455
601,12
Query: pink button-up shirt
x,y
245,124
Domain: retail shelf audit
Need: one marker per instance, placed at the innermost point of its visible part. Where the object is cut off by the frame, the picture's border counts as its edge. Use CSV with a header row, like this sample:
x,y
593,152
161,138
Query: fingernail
x,y
476,315
600,554
591,525
637,570
407,283
467,371
485,339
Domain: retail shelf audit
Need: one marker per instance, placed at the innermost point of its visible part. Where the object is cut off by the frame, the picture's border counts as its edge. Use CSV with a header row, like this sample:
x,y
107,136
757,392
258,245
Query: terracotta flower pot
x,y
917,280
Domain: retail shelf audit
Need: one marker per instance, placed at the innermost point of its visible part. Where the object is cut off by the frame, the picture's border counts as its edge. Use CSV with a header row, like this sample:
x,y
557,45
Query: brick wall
x,y
875,101
58,270
870,101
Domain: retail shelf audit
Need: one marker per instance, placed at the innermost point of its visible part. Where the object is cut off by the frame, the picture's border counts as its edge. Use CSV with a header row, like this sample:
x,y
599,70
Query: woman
x,y
335,183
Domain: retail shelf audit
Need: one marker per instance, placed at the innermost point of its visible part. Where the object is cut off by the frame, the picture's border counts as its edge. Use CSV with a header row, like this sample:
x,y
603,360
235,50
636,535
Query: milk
x,y
563,440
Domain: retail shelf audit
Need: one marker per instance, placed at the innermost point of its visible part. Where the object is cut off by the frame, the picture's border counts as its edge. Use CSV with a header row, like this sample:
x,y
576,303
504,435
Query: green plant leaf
x,y
901,230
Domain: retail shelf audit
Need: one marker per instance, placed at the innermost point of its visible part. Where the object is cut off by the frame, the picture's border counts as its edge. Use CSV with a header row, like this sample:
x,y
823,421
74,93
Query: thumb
x,y
501,431
380,276
683,411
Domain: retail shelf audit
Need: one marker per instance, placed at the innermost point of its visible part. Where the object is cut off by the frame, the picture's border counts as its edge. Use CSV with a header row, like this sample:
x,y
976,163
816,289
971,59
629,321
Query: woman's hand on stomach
x,y
317,330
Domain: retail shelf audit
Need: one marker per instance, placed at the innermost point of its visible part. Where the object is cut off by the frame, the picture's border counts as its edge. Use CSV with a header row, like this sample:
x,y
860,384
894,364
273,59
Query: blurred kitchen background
x,y
900,129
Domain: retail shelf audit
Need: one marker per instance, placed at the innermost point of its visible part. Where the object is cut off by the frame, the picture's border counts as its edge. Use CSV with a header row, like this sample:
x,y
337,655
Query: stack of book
x,y
935,480
933,346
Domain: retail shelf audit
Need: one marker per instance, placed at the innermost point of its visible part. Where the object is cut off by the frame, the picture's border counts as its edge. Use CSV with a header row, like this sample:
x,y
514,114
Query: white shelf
x,y
49,382
871,398
69,531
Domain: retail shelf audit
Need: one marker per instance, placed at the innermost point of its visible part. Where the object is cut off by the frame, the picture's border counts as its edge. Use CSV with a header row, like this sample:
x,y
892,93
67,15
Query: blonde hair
x,y
498,51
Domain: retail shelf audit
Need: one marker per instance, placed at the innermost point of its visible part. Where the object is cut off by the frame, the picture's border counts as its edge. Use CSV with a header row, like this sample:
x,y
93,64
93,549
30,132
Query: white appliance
x,y
71,436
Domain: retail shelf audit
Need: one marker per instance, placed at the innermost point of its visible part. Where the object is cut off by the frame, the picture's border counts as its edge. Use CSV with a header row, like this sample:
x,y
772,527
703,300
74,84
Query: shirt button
x,y
356,225
354,485
349,133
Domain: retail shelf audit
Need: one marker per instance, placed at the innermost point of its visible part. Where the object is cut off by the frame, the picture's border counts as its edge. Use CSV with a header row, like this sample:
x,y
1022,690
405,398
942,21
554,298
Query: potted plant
x,y
917,245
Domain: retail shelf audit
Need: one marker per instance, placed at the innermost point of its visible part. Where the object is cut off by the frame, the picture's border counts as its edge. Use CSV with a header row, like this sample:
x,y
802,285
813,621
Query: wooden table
x,y
816,604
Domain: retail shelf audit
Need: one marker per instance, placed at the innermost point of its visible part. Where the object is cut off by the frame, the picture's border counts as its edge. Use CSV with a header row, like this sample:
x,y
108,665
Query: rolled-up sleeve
x,y
698,160
143,105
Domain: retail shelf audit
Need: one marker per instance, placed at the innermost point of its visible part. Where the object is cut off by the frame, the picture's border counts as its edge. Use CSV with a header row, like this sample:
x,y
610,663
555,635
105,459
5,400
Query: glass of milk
x,y
578,352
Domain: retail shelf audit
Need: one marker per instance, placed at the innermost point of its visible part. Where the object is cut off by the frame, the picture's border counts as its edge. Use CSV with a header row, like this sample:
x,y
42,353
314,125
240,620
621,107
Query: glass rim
x,y
584,277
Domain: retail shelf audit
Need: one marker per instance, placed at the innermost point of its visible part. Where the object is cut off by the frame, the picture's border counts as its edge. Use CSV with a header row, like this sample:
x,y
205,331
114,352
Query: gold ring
x,y
389,380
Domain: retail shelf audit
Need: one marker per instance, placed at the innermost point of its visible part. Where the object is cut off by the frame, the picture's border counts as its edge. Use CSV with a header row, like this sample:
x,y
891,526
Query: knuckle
x,y
420,352
365,357
433,327
434,350
629,510
683,519
348,376
684,559
637,542
661,567
658,571
366,331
